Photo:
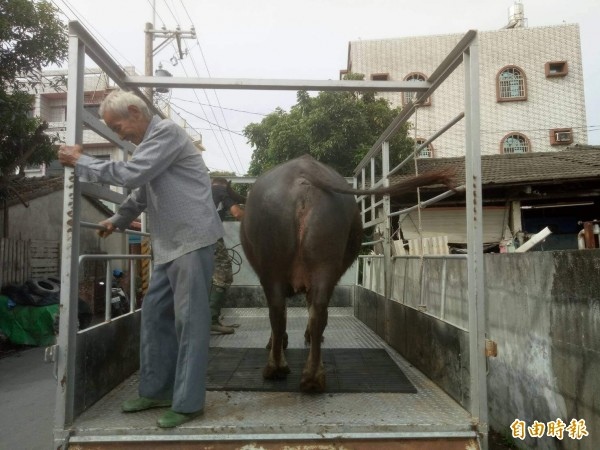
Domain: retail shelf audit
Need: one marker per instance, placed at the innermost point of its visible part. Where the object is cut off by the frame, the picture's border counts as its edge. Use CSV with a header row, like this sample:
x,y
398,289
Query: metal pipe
x,y
426,143
66,340
277,85
431,201
108,292
96,226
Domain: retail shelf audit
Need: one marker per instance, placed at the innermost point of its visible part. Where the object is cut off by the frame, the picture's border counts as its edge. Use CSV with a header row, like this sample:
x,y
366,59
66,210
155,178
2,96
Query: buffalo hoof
x,y
313,384
275,373
285,342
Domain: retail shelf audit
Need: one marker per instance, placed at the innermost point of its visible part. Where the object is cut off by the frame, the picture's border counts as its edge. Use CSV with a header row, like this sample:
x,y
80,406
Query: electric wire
x,y
210,76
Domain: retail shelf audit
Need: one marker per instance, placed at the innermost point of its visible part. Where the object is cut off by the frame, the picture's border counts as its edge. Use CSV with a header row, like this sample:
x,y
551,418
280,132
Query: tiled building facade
x,y
531,87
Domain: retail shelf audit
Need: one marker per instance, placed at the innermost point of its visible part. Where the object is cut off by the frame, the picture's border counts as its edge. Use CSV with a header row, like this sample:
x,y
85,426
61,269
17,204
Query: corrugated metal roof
x,y
525,167
36,187
31,188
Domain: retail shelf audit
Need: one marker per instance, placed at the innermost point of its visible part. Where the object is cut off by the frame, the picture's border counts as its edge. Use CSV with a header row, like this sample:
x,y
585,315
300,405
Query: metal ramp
x,y
428,419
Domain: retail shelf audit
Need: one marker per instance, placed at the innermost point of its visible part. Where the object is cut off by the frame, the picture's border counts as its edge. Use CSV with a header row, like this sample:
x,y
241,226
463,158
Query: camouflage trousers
x,y
222,276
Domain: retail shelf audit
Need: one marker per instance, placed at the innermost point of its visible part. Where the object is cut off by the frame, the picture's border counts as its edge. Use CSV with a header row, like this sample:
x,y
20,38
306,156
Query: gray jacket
x,y
170,181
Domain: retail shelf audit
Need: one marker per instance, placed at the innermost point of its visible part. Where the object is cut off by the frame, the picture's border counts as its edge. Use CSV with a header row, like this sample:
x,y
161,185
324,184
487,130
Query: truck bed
x,y
232,418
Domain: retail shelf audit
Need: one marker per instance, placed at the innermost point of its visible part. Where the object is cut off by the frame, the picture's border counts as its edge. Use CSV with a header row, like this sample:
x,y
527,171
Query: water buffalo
x,y
301,231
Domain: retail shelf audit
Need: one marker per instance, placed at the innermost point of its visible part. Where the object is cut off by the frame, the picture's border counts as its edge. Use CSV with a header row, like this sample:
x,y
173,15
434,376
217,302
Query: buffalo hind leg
x,y
307,335
277,367
313,375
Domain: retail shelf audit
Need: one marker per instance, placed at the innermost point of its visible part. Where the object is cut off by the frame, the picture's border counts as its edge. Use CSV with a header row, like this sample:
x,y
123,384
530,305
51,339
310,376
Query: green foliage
x,y
31,37
22,138
221,173
336,128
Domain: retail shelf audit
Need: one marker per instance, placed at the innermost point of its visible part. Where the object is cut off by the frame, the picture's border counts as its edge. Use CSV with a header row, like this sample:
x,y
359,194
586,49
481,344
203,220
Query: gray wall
x,y
543,311
43,220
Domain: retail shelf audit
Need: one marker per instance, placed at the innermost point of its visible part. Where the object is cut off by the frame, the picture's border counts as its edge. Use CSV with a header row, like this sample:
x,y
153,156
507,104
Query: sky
x,y
291,39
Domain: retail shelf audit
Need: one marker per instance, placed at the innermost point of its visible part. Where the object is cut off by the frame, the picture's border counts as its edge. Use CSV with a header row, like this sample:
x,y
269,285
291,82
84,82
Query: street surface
x,y
27,397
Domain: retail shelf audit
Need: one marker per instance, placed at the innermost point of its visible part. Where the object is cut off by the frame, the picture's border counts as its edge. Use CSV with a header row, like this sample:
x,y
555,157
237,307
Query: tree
x,y
336,128
31,37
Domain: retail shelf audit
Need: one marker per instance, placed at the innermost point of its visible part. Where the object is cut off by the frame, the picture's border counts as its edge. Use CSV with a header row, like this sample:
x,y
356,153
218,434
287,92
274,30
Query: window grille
x,y
426,152
515,143
511,84
407,97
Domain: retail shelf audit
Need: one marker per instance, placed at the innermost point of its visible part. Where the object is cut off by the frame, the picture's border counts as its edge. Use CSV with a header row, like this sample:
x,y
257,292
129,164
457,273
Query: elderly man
x,y
170,181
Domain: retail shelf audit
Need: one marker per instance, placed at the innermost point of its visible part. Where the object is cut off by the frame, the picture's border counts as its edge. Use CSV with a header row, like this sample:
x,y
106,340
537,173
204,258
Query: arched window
x,y
426,152
409,96
511,84
515,143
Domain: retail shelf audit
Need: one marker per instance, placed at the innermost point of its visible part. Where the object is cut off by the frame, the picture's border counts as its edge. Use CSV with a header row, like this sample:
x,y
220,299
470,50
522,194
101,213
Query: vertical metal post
x,y
132,293
148,57
108,292
69,294
387,239
443,289
475,270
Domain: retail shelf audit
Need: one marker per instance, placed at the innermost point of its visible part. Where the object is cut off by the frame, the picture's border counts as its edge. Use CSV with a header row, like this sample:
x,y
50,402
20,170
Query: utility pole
x,y
168,36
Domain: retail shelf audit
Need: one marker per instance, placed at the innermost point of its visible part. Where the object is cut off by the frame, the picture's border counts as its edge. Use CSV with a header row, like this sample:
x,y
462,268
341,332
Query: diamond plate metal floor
x,y
279,415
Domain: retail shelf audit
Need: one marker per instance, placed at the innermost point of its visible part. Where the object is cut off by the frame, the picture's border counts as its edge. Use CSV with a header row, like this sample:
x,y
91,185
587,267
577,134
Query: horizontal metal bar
x,y
105,257
252,180
453,256
373,242
155,438
374,222
431,201
105,62
100,227
370,256
275,85
101,192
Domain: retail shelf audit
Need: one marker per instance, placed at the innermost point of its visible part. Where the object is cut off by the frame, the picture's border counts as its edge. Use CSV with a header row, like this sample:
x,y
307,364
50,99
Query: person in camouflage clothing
x,y
226,200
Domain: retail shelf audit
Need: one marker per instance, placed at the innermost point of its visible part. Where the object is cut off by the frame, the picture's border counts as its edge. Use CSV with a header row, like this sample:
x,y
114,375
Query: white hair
x,y
118,101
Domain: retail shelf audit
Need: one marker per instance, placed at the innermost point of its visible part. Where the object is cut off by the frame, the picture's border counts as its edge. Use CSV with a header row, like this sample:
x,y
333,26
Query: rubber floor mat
x,y
347,370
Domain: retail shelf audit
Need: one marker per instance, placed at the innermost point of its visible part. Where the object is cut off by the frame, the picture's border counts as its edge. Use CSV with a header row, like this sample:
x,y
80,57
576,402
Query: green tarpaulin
x,y
28,325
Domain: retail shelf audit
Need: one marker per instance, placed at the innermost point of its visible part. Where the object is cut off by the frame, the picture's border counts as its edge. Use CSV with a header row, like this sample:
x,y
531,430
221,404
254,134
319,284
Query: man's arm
x,y
131,208
150,159
236,211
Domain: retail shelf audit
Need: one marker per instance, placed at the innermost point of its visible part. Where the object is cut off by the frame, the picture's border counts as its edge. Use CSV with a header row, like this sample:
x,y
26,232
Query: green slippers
x,y
172,419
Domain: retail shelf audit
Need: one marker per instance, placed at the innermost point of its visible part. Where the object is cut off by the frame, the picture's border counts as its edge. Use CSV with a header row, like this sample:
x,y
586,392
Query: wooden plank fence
x,y
21,260
426,246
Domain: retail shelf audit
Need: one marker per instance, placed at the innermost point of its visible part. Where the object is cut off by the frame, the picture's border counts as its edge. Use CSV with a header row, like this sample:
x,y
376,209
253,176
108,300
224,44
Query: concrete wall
x,y
543,311
43,220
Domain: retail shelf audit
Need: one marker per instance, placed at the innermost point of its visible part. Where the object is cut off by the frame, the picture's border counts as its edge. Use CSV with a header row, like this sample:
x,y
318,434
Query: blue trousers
x,y
175,331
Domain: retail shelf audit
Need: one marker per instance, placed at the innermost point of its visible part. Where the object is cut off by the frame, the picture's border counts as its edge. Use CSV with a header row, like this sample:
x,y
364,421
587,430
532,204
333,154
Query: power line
x,y
77,15
178,107
222,107
226,127
215,93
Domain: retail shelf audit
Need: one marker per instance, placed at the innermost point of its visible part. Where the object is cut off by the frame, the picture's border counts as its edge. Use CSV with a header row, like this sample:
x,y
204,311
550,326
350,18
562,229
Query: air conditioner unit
x,y
563,136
